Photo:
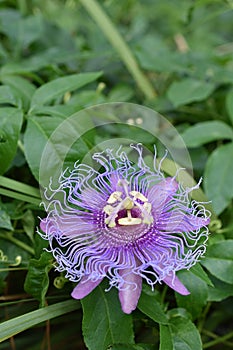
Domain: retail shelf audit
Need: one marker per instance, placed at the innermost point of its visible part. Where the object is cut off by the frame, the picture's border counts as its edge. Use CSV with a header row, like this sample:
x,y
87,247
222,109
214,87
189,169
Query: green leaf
x,y
220,291
10,124
219,260
197,270
40,129
125,347
218,179
205,132
196,300
60,86
22,86
7,96
165,338
229,104
189,90
152,308
185,336
37,280
5,220
28,221
59,147
18,324
104,323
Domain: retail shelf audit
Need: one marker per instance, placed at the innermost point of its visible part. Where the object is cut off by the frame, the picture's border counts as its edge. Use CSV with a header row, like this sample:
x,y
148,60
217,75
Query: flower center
x,y
122,206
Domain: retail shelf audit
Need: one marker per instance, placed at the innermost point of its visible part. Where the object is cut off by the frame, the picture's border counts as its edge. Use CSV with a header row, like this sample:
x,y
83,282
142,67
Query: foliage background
x,y
58,57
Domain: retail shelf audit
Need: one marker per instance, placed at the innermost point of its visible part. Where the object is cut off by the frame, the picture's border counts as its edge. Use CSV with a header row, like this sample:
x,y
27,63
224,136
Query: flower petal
x,y
162,192
177,221
84,288
131,291
176,284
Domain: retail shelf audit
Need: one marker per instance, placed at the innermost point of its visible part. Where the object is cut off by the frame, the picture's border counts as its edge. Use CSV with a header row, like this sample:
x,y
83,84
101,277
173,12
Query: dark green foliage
x,y
57,59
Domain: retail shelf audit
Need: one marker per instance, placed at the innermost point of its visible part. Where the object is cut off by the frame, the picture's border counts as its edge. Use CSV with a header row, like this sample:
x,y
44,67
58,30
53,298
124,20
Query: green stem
x,y
202,319
117,41
214,336
19,196
22,4
219,340
19,186
21,146
14,269
17,242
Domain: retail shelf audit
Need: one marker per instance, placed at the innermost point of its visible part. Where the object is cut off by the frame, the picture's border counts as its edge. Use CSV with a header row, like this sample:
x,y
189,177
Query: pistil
x,y
132,200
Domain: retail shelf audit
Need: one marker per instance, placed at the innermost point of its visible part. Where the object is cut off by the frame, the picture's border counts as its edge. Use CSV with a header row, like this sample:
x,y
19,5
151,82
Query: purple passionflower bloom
x,y
127,223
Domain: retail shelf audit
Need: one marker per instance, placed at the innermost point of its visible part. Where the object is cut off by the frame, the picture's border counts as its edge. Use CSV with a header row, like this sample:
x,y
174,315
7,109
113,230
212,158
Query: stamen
x,y
114,197
138,195
128,203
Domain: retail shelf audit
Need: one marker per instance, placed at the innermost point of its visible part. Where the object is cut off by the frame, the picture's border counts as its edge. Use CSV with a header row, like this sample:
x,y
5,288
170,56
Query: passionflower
x,y
126,222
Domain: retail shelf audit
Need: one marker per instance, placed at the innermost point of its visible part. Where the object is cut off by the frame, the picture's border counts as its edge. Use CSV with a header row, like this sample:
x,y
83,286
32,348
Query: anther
x,y
138,195
114,197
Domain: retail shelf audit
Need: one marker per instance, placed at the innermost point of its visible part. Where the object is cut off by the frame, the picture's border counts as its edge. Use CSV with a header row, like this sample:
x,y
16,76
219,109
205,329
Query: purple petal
x,y
162,192
182,222
176,284
84,288
43,225
131,291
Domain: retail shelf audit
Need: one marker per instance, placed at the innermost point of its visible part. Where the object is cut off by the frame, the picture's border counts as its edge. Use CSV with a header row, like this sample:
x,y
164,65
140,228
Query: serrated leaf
x,y
104,323
218,179
37,279
60,86
185,335
202,133
152,308
10,124
189,90
219,260
197,299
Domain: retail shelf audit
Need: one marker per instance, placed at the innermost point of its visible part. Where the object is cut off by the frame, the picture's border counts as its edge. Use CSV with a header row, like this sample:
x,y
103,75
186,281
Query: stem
x,y
14,269
21,146
164,292
22,4
214,336
20,196
218,340
17,242
19,186
117,41
203,317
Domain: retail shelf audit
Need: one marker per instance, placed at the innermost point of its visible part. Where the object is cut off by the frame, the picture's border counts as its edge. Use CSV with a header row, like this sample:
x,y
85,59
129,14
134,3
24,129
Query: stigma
x,y
127,202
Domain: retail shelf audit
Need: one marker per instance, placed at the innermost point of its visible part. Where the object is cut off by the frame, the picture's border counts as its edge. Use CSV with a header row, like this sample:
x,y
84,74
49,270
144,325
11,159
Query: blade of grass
x,y
19,186
117,41
21,197
19,324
